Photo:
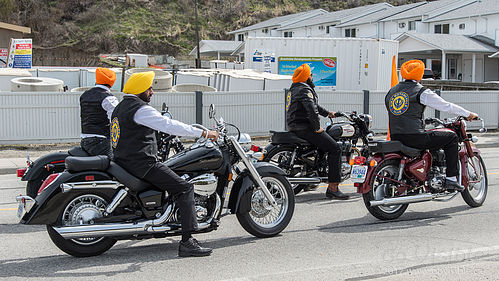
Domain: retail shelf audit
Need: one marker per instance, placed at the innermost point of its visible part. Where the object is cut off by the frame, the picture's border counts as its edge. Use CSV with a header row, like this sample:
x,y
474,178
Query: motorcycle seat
x,y
127,179
383,146
287,138
91,163
77,151
410,151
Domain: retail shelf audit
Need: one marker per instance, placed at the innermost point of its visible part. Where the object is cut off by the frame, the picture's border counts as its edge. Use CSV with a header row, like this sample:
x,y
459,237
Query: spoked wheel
x,y
82,210
381,188
281,157
476,192
264,220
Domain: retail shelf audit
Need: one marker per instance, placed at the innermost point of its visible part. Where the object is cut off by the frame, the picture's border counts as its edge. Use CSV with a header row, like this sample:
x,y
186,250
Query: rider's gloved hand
x,y
210,135
333,114
472,116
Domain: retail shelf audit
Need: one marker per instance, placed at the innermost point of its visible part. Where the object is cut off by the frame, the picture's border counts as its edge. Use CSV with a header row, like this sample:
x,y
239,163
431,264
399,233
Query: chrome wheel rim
x,y
262,212
389,171
83,210
477,181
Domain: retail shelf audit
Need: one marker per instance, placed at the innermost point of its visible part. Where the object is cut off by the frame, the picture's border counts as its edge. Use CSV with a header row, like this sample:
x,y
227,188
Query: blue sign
x,y
323,68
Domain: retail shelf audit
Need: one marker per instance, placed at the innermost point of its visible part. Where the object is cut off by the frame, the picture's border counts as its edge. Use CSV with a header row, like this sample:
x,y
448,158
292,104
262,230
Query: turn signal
x,y
21,172
373,163
351,162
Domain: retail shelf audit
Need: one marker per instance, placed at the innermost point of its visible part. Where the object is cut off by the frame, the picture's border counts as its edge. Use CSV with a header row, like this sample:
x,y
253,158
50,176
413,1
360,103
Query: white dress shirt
x,y
108,104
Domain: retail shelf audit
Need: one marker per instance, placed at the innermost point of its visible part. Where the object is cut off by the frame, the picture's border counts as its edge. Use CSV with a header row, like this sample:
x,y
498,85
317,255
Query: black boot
x,y
192,248
336,195
451,185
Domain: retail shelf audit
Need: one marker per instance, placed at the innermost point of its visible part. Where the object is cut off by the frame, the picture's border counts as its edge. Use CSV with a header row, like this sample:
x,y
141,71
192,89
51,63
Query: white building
x,y
457,39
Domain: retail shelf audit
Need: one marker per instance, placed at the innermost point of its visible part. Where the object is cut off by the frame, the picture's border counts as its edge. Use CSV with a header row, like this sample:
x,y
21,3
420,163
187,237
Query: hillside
x,y
148,26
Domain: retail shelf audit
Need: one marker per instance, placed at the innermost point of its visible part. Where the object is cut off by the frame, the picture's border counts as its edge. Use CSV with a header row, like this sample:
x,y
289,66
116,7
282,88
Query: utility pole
x,y
198,55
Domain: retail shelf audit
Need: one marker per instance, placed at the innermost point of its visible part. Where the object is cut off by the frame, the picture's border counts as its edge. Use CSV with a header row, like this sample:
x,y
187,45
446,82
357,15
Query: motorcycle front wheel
x,y
476,192
264,220
81,210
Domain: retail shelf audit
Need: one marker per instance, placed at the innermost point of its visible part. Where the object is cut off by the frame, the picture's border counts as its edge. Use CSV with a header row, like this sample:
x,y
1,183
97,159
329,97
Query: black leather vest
x,y
134,146
405,110
93,117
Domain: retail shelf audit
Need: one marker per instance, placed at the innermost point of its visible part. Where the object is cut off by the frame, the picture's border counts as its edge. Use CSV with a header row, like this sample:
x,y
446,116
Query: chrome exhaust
x,y
410,199
306,180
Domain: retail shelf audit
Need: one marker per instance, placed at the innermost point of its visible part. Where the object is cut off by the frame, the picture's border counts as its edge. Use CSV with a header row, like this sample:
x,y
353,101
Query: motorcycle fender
x,y
242,190
40,164
50,203
365,187
268,148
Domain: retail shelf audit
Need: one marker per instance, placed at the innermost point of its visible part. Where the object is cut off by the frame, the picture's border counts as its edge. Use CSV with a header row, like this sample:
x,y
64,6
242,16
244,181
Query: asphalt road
x,y
326,240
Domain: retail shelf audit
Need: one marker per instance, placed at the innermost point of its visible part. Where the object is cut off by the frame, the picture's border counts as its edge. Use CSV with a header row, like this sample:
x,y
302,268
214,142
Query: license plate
x,y
20,210
358,173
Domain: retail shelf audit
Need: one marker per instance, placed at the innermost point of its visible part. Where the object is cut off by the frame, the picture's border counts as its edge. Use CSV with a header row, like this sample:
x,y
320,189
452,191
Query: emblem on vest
x,y
399,103
288,100
115,132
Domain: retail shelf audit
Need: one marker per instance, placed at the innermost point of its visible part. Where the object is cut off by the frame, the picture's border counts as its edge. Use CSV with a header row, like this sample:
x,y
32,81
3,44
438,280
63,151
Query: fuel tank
x,y
341,130
200,158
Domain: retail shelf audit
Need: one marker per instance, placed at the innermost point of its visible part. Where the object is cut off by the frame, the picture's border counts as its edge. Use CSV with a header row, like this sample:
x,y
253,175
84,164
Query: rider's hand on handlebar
x,y
210,135
333,114
473,116
320,130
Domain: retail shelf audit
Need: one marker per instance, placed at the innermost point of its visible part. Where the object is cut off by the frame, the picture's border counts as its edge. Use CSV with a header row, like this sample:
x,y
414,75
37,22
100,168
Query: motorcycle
x,y
37,171
304,164
395,175
95,202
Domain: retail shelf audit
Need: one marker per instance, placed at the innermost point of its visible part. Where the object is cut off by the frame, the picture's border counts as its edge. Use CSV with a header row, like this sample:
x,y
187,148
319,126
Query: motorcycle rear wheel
x,y
78,208
388,169
476,192
263,220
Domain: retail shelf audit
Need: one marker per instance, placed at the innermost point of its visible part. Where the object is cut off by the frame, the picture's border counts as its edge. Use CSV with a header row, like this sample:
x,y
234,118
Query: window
x,y
452,68
350,32
442,28
412,25
240,37
265,30
401,24
321,27
288,33
329,28
462,26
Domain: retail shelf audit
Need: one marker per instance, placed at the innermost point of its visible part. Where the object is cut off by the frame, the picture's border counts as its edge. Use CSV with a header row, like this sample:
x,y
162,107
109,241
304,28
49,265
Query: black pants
x,y
164,178
327,144
97,146
433,140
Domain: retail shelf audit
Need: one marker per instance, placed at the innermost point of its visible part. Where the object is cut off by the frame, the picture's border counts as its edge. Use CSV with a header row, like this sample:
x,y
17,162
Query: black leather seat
x,y
383,146
77,151
91,163
410,151
128,179
287,138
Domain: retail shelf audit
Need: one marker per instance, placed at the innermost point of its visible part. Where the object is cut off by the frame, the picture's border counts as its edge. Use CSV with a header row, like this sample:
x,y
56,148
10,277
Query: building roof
x,y
421,10
338,16
14,27
445,42
382,14
469,9
282,20
212,47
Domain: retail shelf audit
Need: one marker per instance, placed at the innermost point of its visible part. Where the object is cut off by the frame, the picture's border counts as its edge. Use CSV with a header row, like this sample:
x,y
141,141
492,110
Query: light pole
x,y
198,55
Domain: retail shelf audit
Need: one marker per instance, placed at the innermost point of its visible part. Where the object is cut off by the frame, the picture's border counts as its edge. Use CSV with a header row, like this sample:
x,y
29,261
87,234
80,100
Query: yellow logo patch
x,y
399,103
115,132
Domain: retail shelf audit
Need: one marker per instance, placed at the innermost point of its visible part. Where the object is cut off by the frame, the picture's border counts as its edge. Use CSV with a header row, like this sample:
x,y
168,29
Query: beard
x,y
145,97
310,82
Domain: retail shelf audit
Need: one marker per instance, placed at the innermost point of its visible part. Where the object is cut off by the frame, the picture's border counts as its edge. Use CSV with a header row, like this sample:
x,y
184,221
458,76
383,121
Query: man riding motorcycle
x,y
406,103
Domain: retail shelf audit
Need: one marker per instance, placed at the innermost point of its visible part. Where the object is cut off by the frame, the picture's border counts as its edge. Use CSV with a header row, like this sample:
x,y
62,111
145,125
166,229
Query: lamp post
x,y
198,55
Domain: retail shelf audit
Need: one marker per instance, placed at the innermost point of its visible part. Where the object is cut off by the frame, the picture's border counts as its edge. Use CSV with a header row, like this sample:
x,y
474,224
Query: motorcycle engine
x,y
436,179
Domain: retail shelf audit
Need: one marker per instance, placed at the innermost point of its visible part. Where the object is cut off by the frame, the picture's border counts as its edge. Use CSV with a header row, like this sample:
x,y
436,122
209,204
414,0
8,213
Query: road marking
x,y
8,209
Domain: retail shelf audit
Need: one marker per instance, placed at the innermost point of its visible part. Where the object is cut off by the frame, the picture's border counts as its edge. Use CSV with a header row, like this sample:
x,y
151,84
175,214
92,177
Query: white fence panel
x,y
484,103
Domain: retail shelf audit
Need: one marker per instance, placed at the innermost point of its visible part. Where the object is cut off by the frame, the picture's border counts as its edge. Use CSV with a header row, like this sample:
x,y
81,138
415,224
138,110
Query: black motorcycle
x,y
95,202
305,165
37,171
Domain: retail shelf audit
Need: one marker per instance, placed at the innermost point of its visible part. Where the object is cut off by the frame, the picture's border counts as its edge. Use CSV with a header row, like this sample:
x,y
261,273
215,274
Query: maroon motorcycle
x,y
395,175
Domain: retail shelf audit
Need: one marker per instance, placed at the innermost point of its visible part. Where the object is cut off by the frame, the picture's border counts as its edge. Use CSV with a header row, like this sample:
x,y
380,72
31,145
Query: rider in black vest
x,y
133,139
302,117
96,107
406,103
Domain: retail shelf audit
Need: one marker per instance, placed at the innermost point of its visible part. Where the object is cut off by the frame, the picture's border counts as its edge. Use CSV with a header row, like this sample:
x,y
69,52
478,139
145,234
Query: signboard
x,y
323,68
260,56
3,57
19,54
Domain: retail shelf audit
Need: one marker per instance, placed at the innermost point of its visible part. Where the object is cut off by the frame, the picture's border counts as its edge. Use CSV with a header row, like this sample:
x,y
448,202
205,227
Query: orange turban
x,y
412,70
301,73
105,76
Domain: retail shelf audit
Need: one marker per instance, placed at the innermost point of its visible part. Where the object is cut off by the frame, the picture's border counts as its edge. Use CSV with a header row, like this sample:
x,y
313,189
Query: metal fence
x,y
55,117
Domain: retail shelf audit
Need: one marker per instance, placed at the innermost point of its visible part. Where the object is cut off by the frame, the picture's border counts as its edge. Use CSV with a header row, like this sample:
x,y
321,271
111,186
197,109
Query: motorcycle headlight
x,y
368,119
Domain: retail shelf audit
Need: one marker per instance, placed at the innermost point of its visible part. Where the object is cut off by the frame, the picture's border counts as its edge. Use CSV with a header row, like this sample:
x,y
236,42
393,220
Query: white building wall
x,y
367,30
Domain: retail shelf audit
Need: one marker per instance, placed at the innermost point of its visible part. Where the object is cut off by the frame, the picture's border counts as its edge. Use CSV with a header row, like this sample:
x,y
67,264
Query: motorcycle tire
x,y
255,221
476,200
384,212
297,188
80,247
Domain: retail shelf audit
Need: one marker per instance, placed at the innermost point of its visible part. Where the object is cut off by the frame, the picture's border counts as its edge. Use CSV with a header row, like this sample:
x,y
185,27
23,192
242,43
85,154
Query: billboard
x,y
19,54
323,68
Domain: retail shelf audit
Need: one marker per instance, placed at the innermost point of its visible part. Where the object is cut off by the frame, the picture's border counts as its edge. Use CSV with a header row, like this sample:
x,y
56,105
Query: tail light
x,y
21,172
359,160
255,148
47,182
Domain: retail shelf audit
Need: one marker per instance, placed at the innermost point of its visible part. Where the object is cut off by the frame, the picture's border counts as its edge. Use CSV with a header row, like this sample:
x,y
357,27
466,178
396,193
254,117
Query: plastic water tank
x,y
38,84
162,79
192,88
7,74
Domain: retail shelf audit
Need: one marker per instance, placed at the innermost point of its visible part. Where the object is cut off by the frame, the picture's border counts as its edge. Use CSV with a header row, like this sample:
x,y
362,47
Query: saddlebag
x,y
383,146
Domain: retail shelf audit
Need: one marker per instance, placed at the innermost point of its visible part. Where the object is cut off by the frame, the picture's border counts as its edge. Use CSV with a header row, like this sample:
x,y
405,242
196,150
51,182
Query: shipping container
x,y
337,63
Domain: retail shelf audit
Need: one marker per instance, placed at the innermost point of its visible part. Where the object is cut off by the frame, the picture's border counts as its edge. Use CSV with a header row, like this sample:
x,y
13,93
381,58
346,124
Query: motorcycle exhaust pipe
x,y
306,180
408,199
